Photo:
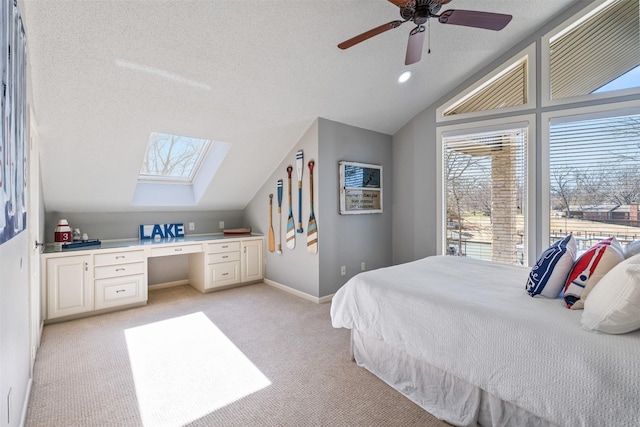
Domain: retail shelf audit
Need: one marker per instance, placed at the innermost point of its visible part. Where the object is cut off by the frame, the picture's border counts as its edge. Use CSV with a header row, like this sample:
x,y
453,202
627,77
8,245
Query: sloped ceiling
x,y
106,73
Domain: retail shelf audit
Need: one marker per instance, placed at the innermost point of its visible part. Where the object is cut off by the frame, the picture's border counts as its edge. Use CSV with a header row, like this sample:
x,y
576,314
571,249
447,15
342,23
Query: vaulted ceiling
x,y
106,73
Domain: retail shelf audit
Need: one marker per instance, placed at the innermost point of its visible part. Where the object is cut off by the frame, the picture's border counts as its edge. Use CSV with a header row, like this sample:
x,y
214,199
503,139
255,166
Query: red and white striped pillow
x,y
589,268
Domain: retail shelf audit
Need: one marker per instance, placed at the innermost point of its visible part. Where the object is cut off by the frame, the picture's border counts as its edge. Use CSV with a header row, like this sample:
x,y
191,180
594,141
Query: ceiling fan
x,y
419,12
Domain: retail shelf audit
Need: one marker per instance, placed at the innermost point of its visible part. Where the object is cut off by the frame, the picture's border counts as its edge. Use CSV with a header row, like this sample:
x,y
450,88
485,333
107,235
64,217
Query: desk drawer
x,y
226,273
223,257
176,250
215,248
118,257
119,270
119,291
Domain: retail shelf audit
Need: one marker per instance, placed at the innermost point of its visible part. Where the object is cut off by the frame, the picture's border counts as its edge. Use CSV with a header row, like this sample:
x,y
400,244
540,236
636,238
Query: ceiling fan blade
x,y
399,2
368,34
414,47
472,18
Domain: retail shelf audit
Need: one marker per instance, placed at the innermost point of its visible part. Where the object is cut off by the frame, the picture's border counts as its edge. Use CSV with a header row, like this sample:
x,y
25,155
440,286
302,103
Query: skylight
x,y
177,170
173,158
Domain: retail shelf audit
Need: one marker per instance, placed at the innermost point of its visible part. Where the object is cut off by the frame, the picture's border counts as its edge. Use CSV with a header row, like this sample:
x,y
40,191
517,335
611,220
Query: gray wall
x,y
349,240
125,225
294,268
342,239
414,189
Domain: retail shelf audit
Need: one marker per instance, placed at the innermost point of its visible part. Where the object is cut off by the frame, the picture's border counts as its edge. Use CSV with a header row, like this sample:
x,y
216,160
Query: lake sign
x,y
161,231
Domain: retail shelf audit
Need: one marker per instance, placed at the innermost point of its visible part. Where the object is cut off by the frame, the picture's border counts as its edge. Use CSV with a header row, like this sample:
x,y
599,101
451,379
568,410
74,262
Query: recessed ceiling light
x,y
404,77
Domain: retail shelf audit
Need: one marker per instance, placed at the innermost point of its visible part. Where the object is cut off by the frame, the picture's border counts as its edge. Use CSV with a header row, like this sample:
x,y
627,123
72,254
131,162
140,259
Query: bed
x,y
461,338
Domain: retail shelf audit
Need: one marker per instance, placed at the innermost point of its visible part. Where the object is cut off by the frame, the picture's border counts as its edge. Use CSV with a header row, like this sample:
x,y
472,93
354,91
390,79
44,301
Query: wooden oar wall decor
x,y
312,228
291,229
272,240
291,224
279,251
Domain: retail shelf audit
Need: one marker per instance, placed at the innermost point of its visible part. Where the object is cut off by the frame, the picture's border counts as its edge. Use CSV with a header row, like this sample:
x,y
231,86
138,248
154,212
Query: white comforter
x,y
474,319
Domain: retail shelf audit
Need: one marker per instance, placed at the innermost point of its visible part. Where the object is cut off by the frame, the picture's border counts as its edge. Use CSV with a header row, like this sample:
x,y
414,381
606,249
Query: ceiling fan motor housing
x,y
419,11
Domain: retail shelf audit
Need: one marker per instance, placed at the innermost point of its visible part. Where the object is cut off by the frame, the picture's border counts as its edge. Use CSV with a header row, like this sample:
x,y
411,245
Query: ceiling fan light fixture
x,y
404,77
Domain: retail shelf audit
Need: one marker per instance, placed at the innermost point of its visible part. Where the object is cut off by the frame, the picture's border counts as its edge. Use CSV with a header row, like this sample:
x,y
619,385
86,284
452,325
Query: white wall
x,y
15,353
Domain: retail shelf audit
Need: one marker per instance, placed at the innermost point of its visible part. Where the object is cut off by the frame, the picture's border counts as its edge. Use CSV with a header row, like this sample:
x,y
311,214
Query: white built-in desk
x,y
113,276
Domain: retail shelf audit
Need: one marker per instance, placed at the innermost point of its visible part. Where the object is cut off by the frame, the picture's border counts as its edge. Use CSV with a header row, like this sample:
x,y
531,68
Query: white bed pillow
x,y
633,248
549,273
613,306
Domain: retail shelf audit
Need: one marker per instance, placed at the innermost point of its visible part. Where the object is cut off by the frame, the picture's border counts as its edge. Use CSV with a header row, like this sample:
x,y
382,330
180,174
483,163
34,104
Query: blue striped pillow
x,y
549,274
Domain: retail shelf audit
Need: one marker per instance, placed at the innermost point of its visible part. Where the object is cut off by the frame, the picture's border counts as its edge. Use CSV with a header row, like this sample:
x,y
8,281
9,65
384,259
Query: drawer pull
x,y
225,274
225,246
225,256
120,269
178,249
120,256
121,290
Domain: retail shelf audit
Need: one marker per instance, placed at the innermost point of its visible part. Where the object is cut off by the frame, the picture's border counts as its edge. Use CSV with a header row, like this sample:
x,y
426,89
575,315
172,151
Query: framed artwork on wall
x,y
13,148
360,188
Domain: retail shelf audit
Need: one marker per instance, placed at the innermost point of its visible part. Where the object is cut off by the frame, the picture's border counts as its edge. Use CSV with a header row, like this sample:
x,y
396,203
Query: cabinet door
x,y
69,286
252,261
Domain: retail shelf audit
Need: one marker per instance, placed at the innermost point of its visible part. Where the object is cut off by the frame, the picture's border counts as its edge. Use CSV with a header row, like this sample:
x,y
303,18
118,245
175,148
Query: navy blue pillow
x,y
549,274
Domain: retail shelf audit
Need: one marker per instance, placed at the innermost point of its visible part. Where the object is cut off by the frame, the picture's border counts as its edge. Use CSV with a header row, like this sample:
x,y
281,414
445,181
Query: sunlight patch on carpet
x,y
185,368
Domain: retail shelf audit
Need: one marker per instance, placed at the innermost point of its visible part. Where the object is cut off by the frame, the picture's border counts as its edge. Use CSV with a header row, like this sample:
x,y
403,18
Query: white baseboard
x,y
169,284
25,406
298,293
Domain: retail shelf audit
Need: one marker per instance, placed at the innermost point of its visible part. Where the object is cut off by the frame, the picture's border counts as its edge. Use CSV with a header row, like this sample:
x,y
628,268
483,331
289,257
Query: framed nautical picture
x,y
360,188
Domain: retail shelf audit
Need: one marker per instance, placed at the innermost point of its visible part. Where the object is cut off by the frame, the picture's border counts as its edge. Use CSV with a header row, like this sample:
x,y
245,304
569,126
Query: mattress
x,y
474,320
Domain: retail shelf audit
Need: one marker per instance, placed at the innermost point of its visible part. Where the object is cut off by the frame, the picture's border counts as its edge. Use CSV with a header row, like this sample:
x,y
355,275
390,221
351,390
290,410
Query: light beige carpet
x,y
249,356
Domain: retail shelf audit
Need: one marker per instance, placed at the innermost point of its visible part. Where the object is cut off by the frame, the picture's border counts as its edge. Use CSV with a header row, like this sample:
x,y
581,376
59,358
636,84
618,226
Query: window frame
x,y
528,121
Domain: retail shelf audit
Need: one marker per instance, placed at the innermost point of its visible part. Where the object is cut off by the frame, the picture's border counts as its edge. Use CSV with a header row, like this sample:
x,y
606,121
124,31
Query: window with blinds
x,y
594,175
600,49
484,178
507,90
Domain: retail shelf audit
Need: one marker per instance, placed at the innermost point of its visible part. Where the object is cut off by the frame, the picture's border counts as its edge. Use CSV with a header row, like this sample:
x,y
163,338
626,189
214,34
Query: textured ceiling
x,y
254,73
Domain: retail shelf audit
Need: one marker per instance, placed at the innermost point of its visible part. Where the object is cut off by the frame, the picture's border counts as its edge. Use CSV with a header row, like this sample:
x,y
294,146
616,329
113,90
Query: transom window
x,y
173,158
506,90
599,48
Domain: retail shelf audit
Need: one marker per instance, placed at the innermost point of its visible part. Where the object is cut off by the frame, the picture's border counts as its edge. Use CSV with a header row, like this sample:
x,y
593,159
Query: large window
x,y
594,177
484,176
